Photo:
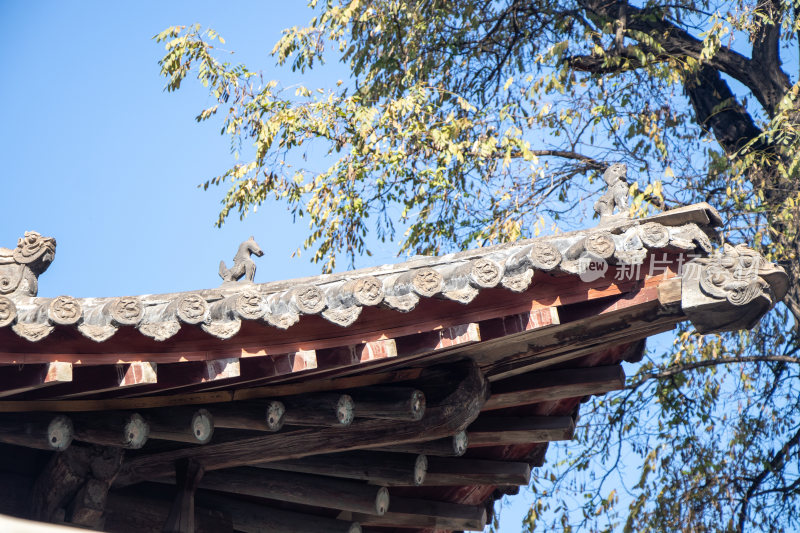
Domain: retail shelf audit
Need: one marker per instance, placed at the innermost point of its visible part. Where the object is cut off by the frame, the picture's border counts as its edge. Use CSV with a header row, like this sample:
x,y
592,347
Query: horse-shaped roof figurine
x,y
243,266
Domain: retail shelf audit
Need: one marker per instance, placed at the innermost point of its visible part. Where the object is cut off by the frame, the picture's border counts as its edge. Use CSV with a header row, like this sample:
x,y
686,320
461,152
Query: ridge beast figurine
x,y
243,265
615,177
21,267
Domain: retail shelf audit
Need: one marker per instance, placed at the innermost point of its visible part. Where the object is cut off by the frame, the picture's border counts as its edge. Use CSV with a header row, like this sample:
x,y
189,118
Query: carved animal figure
x,y
617,194
21,267
243,266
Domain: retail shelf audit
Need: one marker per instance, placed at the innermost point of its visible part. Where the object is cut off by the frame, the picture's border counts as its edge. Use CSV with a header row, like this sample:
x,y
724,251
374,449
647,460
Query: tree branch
x,y
773,465
718,111
767,88
677,369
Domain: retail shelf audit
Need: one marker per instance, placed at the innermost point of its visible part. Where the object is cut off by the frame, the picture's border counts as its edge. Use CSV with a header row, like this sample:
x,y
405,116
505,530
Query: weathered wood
x,y
501,431
175,377
202,398
669,292
112,428
418,513
59,489
252,518
182,424
42,431
127,512
446,417
443,471
261,416
307,489
59,480
454,446
16,379
88,505
538,387
389,403
87,380
319,410
188,474
379,468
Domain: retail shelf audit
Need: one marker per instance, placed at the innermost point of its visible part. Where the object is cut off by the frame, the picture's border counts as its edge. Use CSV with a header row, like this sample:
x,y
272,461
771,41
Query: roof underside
x,y
503,342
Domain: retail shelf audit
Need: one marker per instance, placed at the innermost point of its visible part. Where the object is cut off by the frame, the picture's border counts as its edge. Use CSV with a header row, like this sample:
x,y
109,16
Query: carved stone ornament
x,y
97,332
342,316
249,305
654,235
282,320
160,331
731,290
65,311
544,256
223,329
402,302
426,282
127,311
368,290
600,244
519,282
32,332
485,273
192,309
463,295
243,265
309,299
616,196
8,312
21,267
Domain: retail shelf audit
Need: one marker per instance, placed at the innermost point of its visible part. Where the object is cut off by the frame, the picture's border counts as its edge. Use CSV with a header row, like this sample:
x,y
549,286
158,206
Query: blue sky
x,y
95,154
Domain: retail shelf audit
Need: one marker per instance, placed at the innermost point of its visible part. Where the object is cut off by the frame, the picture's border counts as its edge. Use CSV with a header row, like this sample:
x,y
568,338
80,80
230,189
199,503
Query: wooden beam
x,y
58,482
188,474
536,387
306,489
174,377
95,379
389,403
62,480
502,431
445,417
223,396
122,429
356,353
182,424
127,512
41,431
439,339
88,505
449,471
319,410
260,416
453,446
253,518
256,369
16,379
427,514
379,468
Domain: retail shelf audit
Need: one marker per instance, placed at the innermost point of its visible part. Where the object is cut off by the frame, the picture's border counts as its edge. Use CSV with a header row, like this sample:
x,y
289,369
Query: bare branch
x,y
677,369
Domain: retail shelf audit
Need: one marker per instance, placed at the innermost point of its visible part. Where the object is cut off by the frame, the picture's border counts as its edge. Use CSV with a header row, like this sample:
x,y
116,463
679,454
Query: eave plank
x,y
502,431
538,387
16,379
452,471
88,380
418,513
